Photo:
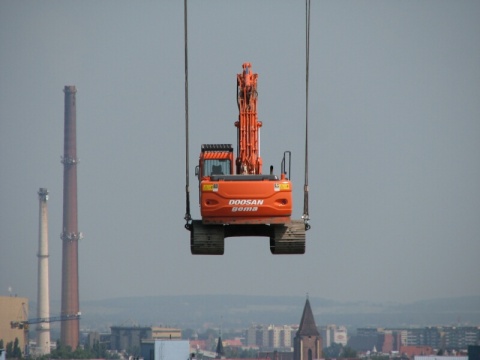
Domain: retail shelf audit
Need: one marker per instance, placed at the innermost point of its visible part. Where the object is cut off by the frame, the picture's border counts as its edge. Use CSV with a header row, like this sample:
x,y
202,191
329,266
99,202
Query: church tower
x,y
307,342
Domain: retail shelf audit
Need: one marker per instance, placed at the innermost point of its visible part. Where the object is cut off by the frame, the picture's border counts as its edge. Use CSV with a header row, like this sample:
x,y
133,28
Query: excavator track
x,y
288,239
285,239
207,239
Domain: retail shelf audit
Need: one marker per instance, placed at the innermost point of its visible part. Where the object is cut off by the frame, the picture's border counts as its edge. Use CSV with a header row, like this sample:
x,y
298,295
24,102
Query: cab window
x,y
216,167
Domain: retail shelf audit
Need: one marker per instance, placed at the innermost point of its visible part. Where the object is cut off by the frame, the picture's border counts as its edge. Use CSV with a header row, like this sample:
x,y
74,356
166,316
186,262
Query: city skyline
x,y
271,333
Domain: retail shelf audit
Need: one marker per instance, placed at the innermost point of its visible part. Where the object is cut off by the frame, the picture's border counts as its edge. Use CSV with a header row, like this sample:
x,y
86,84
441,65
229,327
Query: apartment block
x,y
271,336
436,337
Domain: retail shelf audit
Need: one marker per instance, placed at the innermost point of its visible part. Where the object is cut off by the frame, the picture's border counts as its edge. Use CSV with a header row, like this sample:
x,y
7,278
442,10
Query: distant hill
x,y
240,311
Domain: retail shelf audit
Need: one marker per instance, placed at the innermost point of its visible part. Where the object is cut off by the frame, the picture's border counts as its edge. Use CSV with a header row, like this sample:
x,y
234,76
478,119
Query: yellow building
x,y
166,333
13,315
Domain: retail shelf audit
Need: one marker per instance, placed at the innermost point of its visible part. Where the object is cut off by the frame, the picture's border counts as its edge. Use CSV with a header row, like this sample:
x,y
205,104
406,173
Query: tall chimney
x,y
43,298
69,333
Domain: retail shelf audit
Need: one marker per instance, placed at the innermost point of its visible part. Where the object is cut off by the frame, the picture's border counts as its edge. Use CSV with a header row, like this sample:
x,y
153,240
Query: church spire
x,y
220,352
307,342
307,324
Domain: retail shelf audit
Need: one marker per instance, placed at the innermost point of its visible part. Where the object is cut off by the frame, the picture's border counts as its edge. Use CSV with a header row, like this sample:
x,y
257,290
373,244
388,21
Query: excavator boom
x,y
248,127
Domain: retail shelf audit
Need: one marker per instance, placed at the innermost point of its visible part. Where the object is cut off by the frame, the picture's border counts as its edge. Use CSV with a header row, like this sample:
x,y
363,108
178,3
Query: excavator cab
x,y
215,159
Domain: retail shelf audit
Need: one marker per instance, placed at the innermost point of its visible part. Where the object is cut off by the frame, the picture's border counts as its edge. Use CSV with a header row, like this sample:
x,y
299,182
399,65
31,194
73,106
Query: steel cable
x,y
307,58
188,217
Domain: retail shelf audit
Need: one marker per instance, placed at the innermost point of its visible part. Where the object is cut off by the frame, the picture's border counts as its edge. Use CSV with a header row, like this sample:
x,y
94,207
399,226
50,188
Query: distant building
x,y
236,342
377,339
418,350
389,341
271,337
159,332
334,334
460,337
415,337
255,335
432,336
165,350
287,336
96,337
474,352
368,332
130,337
436,337
198,344
92,338
307,342
14,310
274,336
366,339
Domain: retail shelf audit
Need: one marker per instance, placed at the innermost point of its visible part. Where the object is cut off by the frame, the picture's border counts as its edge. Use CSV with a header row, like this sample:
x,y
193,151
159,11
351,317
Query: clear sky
x,y
394,167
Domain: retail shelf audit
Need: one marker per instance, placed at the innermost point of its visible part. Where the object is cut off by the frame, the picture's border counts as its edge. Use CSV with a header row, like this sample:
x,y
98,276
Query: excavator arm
x,y
248,127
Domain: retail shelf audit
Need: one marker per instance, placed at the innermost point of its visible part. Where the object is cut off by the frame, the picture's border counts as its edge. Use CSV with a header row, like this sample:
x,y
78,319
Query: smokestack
x,y
43,299
69,333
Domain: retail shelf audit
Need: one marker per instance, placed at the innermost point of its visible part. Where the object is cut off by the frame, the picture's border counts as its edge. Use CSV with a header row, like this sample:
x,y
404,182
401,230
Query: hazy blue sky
x,y
394,143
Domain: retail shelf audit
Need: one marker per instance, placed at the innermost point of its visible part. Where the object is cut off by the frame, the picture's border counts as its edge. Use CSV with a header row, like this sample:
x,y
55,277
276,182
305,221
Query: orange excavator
x,y
236,198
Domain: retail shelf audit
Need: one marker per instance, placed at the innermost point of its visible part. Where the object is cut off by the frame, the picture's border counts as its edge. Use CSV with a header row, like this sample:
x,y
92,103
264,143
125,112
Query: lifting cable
x,y
305,216
188,217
